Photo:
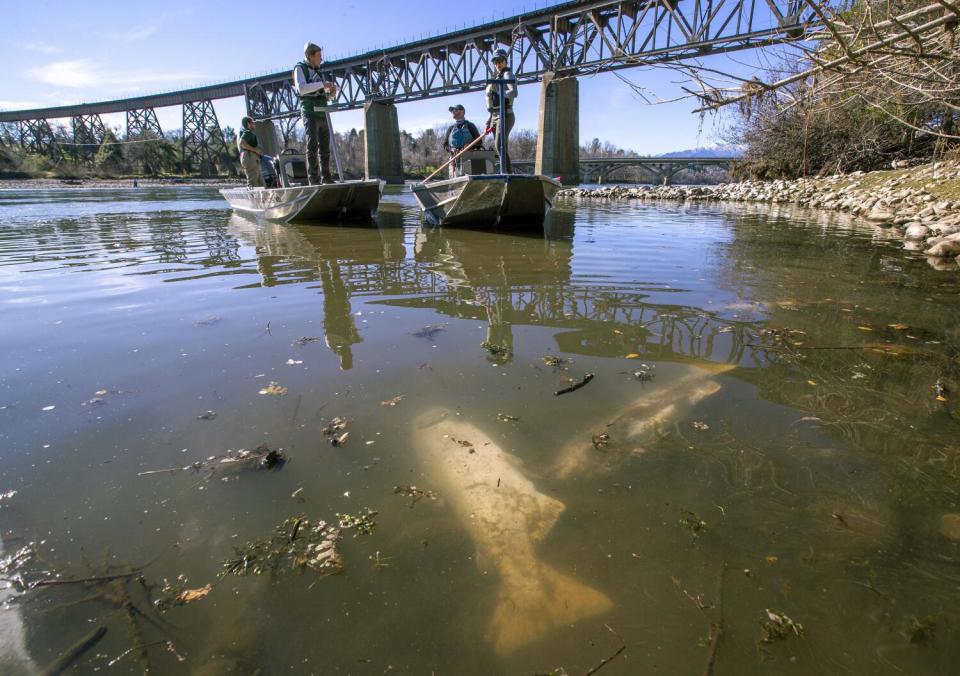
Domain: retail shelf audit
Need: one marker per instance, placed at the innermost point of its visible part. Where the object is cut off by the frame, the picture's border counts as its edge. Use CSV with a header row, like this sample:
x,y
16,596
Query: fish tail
x,y
534,602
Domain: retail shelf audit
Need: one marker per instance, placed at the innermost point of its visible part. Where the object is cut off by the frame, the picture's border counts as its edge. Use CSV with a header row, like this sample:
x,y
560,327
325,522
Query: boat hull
x,y
329,203
491,201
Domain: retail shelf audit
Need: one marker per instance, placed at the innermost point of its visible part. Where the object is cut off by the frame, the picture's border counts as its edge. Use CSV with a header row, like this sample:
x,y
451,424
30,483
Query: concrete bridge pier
x,y
558,140
266,132
382,141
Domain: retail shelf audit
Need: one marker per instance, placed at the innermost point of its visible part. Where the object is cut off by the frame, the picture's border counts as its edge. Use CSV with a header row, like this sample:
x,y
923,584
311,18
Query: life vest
x,y
493,93
248,137
460,135
309,102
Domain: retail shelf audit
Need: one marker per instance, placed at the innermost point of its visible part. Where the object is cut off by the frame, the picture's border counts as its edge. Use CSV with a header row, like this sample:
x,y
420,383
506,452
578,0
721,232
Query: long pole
x,y
501,124
466,148
333,144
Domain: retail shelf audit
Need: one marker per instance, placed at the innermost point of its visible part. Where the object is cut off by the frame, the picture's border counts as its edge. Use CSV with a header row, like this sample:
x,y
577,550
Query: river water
x,y
761,448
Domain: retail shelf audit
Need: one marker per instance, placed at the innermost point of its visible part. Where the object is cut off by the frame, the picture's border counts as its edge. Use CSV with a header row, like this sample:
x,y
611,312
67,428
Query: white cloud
x,y
42,47
135,34
85,73
19,105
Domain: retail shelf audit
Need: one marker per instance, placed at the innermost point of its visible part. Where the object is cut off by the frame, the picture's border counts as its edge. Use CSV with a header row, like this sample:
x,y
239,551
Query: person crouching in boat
x,y
268,172
501,72
315,91
459,135
250,155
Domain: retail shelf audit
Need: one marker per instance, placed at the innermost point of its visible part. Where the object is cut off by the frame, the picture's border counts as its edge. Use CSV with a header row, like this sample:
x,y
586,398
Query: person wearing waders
x,y
501,72
458,136
315,90
250,155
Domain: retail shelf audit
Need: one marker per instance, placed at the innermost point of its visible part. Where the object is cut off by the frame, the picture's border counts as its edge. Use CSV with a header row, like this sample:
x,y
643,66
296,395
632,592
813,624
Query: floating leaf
x,y
191,595
865,328
176,594
899,326
779,627
274,389
812,382
633,355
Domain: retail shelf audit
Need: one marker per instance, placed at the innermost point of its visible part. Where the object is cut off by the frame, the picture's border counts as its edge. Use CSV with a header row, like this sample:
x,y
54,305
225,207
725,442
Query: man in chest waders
x,y
459,135
315,90
501,72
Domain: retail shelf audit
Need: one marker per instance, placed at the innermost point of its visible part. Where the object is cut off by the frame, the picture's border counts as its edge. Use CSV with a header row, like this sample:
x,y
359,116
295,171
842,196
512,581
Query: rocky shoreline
x,y
920,204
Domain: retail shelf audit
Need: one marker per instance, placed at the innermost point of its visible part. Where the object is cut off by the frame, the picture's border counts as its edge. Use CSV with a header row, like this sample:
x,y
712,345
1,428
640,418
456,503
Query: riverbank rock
x,y
910,199
916,231
947,246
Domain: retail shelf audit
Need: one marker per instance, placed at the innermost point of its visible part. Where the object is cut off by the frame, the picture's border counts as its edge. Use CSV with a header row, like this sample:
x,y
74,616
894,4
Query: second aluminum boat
x,y
487,200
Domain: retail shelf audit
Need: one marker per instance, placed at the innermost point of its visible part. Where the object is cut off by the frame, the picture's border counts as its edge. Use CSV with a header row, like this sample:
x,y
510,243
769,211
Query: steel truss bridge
x,y
660,168
568,39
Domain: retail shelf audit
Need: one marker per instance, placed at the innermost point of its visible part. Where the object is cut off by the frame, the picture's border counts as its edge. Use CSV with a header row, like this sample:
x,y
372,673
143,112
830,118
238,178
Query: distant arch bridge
x,y
660,169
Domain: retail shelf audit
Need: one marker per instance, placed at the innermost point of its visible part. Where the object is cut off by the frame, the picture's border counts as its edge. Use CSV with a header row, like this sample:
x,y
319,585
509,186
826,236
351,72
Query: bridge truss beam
x,y
36,136
203,145
571,38
575,38
88,134
142,121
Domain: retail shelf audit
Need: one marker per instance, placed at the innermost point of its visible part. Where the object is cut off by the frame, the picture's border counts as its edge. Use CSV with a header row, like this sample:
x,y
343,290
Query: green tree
x,y
110,158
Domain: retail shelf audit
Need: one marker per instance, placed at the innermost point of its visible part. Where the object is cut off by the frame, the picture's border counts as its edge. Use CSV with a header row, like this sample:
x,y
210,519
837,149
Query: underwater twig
x,y
717,628
88,580
607,660
74,652
576,386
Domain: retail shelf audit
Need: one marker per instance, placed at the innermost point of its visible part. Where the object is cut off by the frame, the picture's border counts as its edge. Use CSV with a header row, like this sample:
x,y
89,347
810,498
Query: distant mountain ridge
x,y
709,151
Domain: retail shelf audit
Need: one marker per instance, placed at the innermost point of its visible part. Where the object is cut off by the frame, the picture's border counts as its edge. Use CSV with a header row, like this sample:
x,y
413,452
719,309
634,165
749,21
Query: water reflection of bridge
x,y
501,279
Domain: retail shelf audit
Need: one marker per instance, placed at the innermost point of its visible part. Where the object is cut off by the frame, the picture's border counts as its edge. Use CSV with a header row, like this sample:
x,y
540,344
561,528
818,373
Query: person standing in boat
x,y
249,153
459,135
315,91
502,71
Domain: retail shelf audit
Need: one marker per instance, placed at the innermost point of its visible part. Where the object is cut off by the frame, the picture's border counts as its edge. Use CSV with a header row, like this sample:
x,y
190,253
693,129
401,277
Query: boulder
x,y
880,216
945,248
916,231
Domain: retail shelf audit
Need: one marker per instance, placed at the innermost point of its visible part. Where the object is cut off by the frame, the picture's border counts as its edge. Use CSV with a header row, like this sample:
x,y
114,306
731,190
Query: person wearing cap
x,y
459,135
315,90
502,71
250,155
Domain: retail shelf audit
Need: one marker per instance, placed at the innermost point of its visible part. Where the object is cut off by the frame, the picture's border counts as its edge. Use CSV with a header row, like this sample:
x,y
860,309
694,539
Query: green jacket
x,y
248,137
309,102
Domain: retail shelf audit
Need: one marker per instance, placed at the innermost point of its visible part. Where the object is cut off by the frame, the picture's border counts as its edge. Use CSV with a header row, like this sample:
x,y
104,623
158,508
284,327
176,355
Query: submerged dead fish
x,y
634,427
506,516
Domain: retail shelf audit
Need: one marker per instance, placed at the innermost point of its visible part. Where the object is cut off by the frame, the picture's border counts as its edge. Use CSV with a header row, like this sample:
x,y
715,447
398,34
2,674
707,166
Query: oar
x,y
457,156
333,144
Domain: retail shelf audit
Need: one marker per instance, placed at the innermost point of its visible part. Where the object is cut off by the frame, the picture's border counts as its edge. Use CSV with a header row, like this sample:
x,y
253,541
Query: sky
x,y
58,53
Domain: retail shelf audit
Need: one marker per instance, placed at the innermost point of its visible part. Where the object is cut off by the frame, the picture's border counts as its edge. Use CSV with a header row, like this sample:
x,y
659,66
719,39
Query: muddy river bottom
x,y
230,447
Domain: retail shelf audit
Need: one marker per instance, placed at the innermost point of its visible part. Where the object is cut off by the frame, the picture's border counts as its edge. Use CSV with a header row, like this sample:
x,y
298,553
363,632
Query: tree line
x,y
877,86
147,155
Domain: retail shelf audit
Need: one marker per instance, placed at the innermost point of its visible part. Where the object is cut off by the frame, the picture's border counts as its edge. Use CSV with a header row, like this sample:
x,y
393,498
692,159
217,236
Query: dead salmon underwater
x,y
640,423
506,516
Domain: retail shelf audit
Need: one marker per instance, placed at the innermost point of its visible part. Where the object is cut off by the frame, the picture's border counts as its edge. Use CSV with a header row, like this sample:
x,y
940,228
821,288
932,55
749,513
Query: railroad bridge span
x,y
552,46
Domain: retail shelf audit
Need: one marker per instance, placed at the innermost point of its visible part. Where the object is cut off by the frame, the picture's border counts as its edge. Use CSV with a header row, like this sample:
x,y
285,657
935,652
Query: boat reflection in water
x,y
361,261
502,279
